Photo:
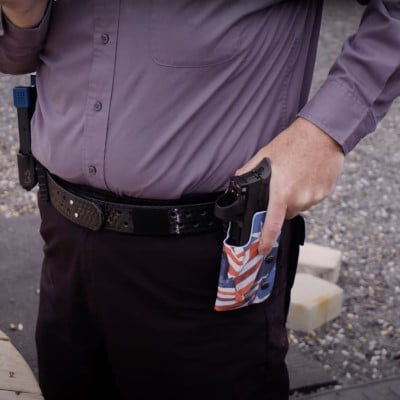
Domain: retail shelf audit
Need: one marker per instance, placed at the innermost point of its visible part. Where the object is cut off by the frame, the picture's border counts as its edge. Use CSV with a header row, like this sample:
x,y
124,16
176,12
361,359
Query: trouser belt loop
x,y
42,180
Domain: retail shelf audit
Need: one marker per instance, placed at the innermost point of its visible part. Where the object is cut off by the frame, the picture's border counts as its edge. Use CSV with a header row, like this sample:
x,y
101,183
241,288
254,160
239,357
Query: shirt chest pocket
x,y
193,33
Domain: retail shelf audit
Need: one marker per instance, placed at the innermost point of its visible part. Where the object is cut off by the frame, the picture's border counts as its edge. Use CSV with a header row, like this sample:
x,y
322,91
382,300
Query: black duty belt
x,y
98,209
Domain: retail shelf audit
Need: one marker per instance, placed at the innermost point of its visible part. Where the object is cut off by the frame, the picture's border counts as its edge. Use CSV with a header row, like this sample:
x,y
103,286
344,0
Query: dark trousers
x,y
131,317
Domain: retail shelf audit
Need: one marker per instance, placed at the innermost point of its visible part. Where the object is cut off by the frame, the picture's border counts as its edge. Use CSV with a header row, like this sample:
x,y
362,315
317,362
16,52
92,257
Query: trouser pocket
x,y
277,306
297,240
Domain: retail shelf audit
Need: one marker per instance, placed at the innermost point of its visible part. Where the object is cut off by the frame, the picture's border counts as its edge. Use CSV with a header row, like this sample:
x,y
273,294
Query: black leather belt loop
x,y
137,216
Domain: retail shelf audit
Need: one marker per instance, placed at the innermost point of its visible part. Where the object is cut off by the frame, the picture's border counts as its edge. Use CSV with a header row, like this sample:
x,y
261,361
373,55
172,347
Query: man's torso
x,y
156,99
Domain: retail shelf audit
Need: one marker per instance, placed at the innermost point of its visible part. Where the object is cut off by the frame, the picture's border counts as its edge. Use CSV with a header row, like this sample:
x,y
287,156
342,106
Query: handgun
x,y
246,194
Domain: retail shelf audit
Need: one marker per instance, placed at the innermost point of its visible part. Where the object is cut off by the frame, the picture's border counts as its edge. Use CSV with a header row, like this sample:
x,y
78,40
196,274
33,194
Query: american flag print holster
x,y
246,277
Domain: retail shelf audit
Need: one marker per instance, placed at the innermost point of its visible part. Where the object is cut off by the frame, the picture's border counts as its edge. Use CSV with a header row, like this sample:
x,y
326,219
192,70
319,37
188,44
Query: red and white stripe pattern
x,y
240,277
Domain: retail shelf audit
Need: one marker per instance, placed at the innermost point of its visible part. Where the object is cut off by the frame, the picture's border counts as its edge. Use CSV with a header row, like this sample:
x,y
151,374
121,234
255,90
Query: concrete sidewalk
x,y
20,263
17,381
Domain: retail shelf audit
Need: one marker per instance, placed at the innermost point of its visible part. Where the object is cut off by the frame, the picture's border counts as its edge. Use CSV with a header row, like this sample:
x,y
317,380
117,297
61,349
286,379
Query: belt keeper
x,y
42,180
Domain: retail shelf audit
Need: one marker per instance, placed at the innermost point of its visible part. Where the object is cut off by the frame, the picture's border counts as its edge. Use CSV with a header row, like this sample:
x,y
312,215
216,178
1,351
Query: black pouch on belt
x,y
24,101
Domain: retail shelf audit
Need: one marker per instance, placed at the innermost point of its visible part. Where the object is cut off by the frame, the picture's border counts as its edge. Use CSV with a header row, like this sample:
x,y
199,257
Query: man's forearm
x,y
364,80
24,13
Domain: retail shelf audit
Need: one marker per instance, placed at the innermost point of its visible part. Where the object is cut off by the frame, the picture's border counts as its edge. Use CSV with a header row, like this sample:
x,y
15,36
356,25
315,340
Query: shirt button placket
x,y
100,89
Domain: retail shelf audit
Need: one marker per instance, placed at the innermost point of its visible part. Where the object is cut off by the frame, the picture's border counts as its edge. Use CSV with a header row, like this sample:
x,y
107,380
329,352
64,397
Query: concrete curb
x,y
16,378
314,302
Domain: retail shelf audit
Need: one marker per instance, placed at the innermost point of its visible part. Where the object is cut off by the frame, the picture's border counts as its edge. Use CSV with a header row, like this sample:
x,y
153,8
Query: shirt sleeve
x,y
20,47
364,80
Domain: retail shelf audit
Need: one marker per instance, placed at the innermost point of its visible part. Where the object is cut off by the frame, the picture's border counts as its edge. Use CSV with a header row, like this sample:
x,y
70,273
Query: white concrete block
x,y
314,302
320,261
3,336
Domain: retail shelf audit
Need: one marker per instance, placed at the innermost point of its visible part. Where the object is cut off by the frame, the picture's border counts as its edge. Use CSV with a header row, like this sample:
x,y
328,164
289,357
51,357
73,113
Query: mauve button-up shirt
x,y
156,98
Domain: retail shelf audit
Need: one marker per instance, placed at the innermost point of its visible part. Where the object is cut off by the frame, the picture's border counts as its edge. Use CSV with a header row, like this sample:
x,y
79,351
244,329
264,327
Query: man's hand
x,y
24,13
305,163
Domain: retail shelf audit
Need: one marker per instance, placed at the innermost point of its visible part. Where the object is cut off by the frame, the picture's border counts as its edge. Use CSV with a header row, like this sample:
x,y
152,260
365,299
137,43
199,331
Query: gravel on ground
x,y
362,219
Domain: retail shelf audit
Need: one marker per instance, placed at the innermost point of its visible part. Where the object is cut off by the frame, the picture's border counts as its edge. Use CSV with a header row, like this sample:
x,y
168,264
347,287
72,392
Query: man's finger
x,y
276,213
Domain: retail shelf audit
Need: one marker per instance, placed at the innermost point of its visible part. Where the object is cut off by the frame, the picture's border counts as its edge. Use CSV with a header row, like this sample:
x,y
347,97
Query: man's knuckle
x,y
320,195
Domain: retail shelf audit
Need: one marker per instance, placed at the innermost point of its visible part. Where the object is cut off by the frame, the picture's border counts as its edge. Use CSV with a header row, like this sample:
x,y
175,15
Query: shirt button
x,y
97,106
92,170
105,38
